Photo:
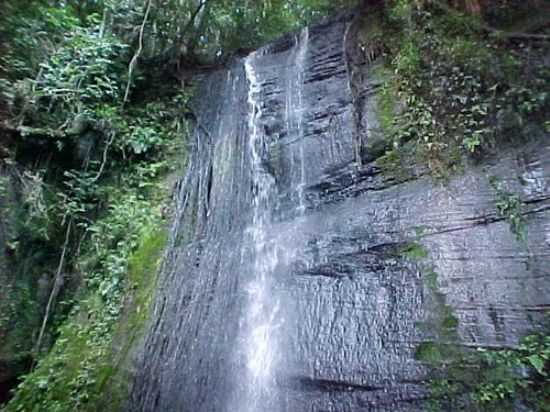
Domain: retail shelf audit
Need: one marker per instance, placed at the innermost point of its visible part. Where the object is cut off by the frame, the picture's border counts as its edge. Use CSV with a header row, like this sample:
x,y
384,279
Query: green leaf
x,y
538,363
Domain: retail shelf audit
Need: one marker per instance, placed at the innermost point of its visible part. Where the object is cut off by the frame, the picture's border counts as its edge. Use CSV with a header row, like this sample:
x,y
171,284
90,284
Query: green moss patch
x,y
414,251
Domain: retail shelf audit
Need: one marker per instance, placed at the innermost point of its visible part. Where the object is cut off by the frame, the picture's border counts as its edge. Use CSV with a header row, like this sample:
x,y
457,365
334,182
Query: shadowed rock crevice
x,y
326,385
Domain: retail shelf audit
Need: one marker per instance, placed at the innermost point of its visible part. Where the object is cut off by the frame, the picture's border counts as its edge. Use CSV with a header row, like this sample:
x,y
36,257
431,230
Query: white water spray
x,y
263,307
300,64
262,318
294,110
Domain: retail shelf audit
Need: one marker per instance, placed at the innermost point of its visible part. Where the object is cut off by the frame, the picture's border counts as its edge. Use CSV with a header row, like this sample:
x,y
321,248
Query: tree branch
x,y
57,283
104,160
134,60
193,17
32,131
515,35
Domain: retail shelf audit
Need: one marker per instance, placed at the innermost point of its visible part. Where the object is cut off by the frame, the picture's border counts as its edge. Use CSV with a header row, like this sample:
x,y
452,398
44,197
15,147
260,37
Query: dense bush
x,y
463,88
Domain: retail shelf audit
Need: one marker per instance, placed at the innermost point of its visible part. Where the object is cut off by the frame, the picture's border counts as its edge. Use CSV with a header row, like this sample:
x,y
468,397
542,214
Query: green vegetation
x,y
510,207
489,379
82,356
413,251
386,109
485,379
462,91
478,380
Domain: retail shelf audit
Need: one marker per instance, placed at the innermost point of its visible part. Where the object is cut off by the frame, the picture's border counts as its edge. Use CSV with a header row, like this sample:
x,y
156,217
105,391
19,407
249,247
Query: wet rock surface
x,y
345,297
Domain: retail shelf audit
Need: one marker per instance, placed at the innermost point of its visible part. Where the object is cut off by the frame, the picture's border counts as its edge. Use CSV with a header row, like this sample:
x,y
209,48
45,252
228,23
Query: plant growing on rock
x,y
510,207
464,93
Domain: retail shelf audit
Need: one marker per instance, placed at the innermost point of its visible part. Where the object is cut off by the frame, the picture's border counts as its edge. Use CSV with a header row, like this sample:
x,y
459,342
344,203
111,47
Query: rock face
x,y
24,285
13,340
297,276
6,369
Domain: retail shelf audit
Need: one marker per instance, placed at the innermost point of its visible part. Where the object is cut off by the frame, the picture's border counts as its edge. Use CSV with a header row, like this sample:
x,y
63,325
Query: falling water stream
x,y
294,110
261,315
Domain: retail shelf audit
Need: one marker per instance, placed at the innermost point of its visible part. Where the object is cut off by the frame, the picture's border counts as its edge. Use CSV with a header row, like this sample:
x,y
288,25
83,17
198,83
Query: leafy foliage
x,y
211,29
81,354
510,207
463,92
86,71
491,380
112,215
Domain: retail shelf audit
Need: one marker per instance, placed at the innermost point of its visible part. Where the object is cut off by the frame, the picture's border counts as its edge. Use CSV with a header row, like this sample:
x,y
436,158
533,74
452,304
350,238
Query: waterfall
x,y
265,300
294,109
284,288
301,55
261,314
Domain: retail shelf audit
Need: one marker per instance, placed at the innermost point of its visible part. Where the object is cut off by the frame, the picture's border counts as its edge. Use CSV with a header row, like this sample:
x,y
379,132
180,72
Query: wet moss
x,y
414,251
430,277
387,106
449,320
143,268
429,352
478,380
